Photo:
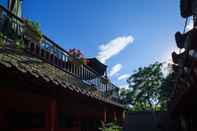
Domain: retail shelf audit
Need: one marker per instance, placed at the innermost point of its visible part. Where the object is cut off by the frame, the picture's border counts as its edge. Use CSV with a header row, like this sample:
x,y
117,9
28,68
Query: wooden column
x,y
2,120
52,115
104,115
76,121
123,115
115,116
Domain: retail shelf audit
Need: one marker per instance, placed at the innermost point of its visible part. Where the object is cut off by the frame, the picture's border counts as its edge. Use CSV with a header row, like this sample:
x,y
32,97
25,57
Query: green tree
x,y
166,89
111,127
148,89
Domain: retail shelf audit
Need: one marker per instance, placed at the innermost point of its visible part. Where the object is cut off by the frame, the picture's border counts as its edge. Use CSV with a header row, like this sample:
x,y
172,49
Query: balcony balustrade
x,y
12,26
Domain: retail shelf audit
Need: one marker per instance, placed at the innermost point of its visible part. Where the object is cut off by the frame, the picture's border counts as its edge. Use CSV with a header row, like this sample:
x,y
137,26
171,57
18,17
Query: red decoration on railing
x,y
76,57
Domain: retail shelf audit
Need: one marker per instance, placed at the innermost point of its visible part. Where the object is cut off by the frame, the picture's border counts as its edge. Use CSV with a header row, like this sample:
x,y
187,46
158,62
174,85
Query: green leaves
x,y
111,127
20,44
32,29
1,39
149,89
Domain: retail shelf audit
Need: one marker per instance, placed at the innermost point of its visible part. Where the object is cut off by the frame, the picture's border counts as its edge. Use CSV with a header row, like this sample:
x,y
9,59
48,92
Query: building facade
x,y
42,90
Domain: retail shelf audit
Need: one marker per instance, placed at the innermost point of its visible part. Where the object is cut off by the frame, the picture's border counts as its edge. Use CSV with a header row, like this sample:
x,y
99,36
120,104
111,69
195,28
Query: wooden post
x,y
115,116
52,115
104,115
123,115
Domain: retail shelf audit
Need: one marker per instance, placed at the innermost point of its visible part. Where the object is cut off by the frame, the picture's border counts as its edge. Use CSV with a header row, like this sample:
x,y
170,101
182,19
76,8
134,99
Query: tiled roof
x,y
26,63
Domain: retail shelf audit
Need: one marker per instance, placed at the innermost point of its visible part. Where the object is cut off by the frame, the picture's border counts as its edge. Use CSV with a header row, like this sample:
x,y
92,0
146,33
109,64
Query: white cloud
x,y
165,69
115,69
123,77
126,86
190,25
166,59
167,53
113,47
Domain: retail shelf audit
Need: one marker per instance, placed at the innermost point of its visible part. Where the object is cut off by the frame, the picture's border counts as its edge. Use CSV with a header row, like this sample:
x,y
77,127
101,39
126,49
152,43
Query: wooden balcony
x,y
50,52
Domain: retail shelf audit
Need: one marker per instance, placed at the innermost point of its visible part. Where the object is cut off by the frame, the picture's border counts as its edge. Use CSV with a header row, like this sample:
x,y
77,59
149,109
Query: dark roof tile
x,y
38,68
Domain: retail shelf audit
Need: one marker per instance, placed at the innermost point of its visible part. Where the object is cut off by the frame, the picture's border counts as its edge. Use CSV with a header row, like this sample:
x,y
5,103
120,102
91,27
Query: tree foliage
x,y
111,127
166,89
148,89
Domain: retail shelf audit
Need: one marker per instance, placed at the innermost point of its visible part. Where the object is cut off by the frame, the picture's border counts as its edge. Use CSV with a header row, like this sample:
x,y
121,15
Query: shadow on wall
x,y
143,121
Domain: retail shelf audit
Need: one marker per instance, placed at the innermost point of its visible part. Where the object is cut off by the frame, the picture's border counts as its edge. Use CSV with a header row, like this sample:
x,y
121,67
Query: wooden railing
x,y
49,51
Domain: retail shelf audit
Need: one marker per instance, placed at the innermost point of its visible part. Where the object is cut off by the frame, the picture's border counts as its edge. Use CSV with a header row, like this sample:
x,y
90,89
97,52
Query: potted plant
x,y
1,39
76,57
104,80
110,127
20,44
32,30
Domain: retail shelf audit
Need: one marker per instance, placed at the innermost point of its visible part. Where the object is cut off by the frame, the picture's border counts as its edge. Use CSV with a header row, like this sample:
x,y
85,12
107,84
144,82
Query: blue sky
x,y
126,34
